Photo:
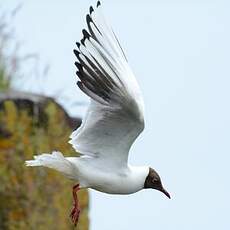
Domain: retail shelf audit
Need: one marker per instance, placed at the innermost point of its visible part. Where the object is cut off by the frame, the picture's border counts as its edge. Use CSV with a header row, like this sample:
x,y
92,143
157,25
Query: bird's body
x,y
91,175
114,119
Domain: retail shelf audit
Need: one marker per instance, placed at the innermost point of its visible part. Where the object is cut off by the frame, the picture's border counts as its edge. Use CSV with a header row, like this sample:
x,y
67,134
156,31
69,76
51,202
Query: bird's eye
x,y
155,180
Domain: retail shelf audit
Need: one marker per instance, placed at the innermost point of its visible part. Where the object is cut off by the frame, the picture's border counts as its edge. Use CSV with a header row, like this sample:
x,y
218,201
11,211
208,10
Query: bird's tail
x,y
55,161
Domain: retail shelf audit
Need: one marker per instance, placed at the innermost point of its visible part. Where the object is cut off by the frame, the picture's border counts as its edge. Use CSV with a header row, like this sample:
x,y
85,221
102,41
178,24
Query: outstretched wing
x,y
115,116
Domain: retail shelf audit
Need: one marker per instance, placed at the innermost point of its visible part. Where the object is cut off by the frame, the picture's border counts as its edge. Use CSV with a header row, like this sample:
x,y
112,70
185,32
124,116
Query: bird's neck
x,y
139,173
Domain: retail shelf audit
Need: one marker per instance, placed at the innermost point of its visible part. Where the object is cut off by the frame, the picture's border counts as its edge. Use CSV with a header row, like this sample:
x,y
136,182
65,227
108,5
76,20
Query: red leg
x,y
75,212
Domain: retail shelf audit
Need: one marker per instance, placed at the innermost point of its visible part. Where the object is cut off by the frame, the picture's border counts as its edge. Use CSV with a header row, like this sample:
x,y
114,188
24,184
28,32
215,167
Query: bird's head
x,y
153,181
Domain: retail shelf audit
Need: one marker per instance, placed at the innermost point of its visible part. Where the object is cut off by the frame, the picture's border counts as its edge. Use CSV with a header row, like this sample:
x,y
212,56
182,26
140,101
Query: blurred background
x,y
180,54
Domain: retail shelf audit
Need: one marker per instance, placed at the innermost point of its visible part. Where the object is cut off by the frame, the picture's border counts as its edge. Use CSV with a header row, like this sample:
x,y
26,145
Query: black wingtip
x,y
86,34
98,3
88,18
78,73
91,10
76,53
79,84
78,44
80,76
78,65
83,41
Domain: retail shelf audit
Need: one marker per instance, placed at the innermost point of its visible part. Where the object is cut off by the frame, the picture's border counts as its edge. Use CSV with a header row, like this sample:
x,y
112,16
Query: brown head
x,y
153,181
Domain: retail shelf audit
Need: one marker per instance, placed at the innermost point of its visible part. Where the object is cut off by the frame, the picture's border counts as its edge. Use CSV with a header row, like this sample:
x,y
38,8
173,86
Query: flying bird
x,y
114,120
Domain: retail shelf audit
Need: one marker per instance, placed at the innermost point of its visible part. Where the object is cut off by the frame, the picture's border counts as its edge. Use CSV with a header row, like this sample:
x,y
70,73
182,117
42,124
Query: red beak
x,y
166,193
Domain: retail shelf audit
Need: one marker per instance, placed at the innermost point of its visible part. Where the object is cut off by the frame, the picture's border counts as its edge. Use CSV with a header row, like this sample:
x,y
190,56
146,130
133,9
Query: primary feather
x,y
115,116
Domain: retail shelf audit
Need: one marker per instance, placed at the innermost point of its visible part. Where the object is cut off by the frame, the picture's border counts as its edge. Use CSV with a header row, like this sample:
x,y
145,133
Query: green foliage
x,y
35,198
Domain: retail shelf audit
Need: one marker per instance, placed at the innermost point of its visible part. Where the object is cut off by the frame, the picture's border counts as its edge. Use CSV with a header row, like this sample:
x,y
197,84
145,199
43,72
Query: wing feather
x,y
115,115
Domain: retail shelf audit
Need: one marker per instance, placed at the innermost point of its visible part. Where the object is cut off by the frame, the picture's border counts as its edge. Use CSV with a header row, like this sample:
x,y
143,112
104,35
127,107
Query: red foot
x,y
75,212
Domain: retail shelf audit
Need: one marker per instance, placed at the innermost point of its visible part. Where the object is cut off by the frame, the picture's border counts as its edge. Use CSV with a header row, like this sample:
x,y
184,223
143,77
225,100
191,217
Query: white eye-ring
x,y
155,180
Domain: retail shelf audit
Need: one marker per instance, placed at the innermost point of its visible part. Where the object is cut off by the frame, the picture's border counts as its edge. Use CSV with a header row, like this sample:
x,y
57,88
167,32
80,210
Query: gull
x,y
114,119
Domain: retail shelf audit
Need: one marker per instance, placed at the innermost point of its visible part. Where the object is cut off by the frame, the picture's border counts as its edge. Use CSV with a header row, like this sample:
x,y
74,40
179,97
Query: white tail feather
x,y
55,161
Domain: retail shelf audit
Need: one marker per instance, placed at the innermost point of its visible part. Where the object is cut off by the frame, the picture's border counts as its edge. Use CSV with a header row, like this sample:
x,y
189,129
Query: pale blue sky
x,y
180,53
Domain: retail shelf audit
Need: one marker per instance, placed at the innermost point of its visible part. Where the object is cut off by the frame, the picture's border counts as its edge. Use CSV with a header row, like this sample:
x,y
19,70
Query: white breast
x,y
122,181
